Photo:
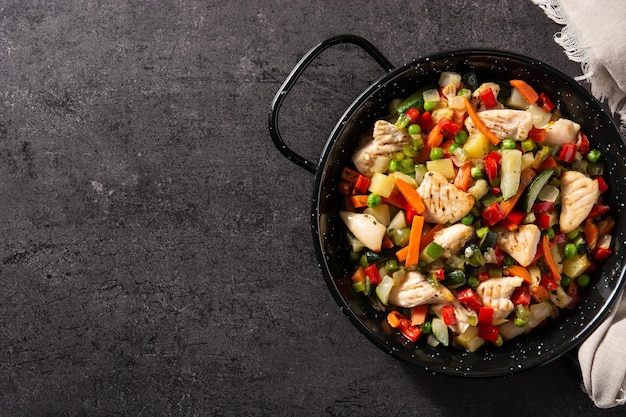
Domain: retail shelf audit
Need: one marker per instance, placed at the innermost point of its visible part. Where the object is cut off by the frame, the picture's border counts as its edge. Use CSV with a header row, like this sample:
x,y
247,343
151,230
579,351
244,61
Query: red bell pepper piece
x,y
598,210
500,255
482,273
491,165
439,274
447,315
409,213
543,207
602,185
600,254
516,217
362,183
413,114
411,332
545,103
426,121
488,332
568,152
549,282
493,214
485,316
449,126
469,298
542,221
373,274
488,98
521,295
583,144
537,135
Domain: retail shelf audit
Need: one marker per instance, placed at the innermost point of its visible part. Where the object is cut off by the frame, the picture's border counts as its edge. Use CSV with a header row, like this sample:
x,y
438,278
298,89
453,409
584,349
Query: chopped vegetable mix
x,y
473,217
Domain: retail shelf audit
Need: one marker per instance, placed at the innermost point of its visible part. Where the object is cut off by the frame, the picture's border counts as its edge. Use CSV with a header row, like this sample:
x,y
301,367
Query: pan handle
x,y
293,77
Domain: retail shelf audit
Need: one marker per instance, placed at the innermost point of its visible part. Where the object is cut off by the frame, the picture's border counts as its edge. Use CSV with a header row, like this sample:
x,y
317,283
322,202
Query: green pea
x,y
570,250
429,105
583,280
573,234
594,155
398,156
468,220
436,153
477,172
461,137
427,327
407,166
414,129
550,233
452,148
393,165
473,281
565,281
374,200
508,144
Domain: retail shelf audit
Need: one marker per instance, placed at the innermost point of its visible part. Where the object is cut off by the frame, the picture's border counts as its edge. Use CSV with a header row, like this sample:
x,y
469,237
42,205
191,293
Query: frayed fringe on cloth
x,y
603,86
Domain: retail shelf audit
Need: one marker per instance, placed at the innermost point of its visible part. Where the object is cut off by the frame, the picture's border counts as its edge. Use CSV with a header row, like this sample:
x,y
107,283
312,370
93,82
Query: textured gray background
x,y
155,254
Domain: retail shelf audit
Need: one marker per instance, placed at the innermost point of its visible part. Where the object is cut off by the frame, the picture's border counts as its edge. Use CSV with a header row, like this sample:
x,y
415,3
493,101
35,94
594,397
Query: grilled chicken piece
x,y
387,139
561,131
444,202
504,123
453,238
521,243
415,290
496,293
578,195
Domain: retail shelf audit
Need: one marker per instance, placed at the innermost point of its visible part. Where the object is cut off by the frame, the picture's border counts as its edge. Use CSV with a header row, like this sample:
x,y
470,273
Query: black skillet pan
x,y
542,345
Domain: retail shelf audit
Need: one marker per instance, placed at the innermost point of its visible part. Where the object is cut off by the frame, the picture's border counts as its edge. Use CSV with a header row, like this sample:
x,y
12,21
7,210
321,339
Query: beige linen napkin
x,y
594,34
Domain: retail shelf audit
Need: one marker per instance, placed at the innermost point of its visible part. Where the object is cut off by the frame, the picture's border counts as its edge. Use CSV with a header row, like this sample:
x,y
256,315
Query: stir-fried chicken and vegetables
x,y
474,213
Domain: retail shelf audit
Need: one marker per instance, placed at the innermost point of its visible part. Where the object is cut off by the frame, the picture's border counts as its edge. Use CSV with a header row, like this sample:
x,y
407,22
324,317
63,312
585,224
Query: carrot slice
x,y
463,177
418,314
591,233
480,125
359,201
529,93
387,243
433,139
359,274
401,254
430,235
410,195
519,271
412,257
547,256
540,293
526,177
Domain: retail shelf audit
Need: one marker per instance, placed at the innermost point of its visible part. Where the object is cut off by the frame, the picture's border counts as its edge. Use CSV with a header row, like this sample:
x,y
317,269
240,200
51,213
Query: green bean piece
x,y
573,234
468,220
477,172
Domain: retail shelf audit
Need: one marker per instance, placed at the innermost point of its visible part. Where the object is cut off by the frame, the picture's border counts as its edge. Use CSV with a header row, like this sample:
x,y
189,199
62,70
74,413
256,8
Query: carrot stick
x,y
418,314
547,255
519,271
526,177
433,139
359,201
430,235
591,233
359,274
401,254
463,177
410,195
529,93
480,125
412,257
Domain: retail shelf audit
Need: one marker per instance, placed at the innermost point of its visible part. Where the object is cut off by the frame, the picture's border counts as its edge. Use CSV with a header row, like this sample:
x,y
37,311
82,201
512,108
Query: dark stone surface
x,y
156,256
